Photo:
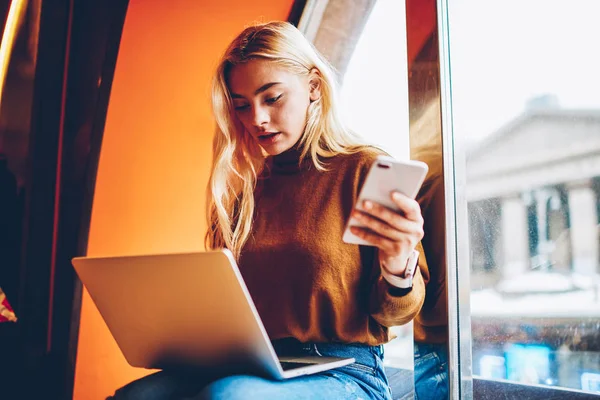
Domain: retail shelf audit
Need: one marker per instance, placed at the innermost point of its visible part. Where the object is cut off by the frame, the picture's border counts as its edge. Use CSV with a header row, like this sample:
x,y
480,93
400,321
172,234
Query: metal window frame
x,y
457,227
311,17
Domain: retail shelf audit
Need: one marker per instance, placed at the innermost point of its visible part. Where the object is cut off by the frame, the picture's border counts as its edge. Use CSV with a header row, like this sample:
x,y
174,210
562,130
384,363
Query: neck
x,y
289,160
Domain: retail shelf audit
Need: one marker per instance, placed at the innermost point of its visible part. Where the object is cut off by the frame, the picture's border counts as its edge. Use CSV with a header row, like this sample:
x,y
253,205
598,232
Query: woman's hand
x,y
395,234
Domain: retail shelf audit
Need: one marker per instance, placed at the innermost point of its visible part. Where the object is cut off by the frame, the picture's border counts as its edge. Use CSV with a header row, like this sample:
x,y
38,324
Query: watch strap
x,y
404,281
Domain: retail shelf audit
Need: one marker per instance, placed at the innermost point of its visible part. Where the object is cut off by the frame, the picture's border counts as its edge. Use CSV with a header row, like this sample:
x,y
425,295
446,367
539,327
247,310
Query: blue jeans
x,y
364,379
431,371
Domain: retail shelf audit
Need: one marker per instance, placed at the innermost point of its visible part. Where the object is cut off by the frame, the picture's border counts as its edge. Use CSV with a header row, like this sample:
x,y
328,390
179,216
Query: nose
x,y
260,117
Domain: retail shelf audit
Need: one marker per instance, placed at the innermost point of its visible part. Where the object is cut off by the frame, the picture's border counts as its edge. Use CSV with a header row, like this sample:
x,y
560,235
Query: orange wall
x,y
156,151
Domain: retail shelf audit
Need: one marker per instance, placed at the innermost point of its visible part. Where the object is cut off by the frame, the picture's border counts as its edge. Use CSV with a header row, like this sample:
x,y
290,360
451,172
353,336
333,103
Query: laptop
x,y
187,310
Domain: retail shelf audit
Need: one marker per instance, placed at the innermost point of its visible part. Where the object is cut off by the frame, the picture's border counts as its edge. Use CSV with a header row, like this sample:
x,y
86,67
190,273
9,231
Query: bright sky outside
x,y
502,55
375,91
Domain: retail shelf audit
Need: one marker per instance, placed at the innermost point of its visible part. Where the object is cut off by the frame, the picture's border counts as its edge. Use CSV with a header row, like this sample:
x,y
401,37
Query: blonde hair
x,y
237,158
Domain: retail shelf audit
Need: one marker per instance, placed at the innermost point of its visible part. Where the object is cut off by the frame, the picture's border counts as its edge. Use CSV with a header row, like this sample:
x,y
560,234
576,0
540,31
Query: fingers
x,y
408,206
391,248
388,224
393,232
409,210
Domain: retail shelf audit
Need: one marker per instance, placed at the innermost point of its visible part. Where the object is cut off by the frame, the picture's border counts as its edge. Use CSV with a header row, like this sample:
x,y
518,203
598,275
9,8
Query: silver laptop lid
x,y
178,309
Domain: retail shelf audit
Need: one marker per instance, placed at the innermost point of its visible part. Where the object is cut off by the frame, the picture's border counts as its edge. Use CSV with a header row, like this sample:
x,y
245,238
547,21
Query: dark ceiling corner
x,y
296,12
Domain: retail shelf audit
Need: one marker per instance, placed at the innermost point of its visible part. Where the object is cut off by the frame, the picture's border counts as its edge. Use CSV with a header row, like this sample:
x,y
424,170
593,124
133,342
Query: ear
x,y
314,84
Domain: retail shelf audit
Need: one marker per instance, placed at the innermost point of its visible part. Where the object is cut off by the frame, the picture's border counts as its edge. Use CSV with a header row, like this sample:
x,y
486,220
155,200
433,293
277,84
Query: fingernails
x,y
356,231
396,196
368,205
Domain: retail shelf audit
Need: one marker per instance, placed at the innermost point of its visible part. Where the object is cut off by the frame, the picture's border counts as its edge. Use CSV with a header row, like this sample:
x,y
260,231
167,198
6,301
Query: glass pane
x,y
375,98
375,86
525,100
374,94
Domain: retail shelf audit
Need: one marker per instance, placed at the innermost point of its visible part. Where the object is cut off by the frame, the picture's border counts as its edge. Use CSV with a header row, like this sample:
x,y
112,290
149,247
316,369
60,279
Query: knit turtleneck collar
x,y
289,161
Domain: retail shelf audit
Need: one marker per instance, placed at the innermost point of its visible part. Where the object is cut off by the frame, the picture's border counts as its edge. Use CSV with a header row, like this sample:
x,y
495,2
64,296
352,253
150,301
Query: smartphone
x,y
385,176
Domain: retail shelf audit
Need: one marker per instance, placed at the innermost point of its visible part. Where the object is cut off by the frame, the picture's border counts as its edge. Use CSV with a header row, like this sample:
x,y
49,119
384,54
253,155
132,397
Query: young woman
x,y
285,178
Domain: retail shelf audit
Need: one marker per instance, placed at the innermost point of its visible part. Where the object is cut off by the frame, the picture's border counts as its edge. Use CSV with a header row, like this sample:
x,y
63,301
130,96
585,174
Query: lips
x,y
268,137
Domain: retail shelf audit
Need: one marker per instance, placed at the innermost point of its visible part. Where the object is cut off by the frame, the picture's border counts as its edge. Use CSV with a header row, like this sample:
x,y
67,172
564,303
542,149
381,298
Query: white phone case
x,y
385,176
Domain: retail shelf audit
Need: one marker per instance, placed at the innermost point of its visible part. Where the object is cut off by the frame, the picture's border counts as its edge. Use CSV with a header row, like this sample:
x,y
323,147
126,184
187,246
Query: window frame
x,y
457,224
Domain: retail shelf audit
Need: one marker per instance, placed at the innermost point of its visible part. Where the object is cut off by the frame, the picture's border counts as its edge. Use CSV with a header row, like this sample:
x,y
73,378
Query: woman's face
x,y
272,102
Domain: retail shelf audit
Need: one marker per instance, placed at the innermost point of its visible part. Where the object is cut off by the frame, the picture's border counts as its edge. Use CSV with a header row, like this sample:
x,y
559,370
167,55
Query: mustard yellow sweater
x,y
307,283
431,324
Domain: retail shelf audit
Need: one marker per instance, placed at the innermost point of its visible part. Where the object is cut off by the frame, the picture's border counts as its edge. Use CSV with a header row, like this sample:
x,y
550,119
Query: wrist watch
x,y
404,281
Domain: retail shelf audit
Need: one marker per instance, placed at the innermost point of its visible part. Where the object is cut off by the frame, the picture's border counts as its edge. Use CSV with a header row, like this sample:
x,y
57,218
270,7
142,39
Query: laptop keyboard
x,y
287,365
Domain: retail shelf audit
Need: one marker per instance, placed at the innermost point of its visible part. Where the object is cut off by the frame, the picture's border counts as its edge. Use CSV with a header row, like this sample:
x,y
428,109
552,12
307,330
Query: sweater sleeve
x,y
391,306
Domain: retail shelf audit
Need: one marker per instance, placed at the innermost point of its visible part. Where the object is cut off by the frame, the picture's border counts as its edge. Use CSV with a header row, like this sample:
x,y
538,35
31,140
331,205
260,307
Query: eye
x,y
241,107
274,99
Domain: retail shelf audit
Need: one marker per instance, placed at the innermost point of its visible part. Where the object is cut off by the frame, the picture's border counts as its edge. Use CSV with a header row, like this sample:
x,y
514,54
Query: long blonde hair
x,y
237,158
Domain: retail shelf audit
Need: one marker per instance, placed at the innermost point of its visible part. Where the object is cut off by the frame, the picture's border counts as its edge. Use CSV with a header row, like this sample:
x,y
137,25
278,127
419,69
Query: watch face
x,y
405,281
411,265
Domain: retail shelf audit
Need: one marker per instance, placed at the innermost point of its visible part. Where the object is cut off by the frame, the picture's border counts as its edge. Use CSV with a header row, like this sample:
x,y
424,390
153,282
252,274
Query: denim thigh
x,y
431,371
365,379
367,371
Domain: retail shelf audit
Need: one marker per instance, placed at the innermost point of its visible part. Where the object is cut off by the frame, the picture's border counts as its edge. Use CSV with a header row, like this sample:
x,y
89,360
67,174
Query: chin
x,y
276,149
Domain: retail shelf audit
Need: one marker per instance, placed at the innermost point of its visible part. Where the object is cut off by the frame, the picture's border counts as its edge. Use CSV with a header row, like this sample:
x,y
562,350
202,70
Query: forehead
x,y
245,79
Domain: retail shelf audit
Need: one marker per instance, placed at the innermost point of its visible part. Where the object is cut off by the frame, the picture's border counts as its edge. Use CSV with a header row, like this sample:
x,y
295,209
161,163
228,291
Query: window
x,y
374,93
375,86
525,107
375,98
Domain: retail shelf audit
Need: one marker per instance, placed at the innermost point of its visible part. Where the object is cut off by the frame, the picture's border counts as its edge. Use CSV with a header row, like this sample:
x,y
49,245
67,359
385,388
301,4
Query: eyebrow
x,y
257,91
